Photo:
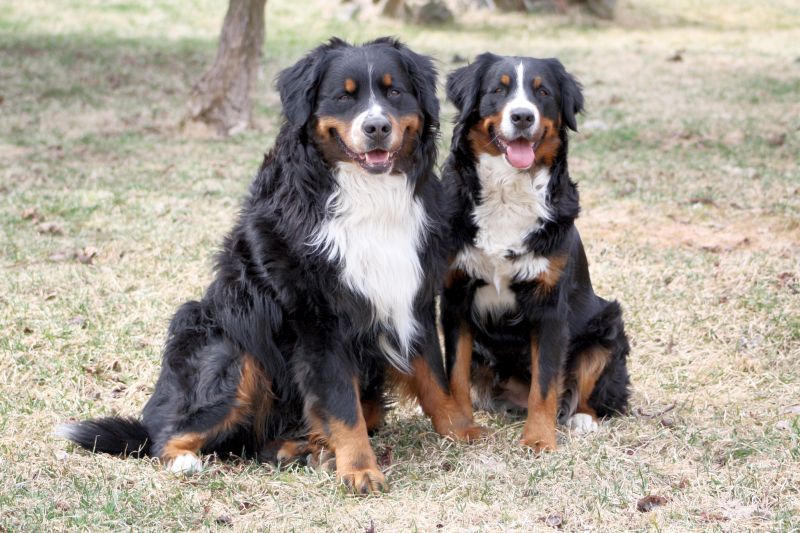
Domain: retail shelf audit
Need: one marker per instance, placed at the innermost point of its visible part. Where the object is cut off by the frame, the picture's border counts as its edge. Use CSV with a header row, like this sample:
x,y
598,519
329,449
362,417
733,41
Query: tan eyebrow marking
x,y
505,79
350,85
387,80
537,82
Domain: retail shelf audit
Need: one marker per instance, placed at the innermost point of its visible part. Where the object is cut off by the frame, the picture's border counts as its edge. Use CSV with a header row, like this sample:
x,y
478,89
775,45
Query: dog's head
x,y
372,105
516,107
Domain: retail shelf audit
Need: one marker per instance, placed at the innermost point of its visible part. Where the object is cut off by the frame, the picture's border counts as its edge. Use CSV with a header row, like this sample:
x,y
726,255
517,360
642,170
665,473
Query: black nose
x,y
522,118
377,128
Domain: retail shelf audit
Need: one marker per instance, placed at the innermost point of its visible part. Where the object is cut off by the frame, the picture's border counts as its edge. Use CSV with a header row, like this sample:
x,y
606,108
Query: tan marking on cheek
x,y
548,147
387,80
350,85
505,79
537,82
480,137
404,130
327,143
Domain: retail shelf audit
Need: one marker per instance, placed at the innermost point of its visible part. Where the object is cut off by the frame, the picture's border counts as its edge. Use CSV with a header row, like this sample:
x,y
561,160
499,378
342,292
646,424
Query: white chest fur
x,y
374,228
512,205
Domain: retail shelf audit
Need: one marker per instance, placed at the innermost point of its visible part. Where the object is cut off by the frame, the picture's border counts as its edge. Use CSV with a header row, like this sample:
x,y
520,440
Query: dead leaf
x,y
648,503
87,255
224,520
791,409
78,321
386,457
50,227
776,139
30,213
656,414
61,505
117,391
61,455
677,56
788,280
554,520
667,423
371,528
61,256
713,517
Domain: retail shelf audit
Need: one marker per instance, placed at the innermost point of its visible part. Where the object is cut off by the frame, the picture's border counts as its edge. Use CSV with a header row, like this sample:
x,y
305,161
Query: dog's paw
x,y
186,464
468,433
539,441
582,423
363,481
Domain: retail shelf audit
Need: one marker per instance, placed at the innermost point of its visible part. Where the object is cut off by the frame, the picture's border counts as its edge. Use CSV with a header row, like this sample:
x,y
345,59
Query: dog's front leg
x,y
335,417
428,384
546,348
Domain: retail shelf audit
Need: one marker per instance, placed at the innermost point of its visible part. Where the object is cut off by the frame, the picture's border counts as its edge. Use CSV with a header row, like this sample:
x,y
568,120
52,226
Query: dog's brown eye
x,y
394,92
499,90
543,92
344,98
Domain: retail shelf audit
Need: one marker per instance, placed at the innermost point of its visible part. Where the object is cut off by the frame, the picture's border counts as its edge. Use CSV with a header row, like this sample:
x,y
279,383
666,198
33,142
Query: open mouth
x,y
375,161
519,152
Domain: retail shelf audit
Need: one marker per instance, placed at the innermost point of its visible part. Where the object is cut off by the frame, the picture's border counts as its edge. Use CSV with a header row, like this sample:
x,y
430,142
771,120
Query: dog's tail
x,y
113,435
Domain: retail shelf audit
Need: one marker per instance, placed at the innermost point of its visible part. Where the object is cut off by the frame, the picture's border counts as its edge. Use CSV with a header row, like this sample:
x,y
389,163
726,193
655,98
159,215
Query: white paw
x,y
186,464
581,423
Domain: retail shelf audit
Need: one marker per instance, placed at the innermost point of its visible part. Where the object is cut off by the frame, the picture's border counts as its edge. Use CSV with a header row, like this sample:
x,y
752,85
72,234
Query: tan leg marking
x,y
356,465
539,432
447,417
460,374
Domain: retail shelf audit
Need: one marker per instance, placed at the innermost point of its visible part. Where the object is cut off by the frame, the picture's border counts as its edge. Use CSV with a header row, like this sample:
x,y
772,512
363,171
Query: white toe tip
x,y
582,423
186,464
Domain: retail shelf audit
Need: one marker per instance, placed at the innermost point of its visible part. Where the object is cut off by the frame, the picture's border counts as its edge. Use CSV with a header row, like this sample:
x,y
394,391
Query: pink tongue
x,y
520,153
377,157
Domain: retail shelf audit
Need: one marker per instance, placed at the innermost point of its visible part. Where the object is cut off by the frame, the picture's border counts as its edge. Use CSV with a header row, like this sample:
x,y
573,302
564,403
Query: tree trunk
x,y
221,99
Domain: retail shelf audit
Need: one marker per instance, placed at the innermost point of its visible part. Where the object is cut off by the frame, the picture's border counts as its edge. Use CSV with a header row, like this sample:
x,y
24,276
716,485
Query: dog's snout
x,y
377,128
522,118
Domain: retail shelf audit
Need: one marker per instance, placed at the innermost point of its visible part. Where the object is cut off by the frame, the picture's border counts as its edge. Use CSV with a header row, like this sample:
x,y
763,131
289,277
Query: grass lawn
x,y
688,166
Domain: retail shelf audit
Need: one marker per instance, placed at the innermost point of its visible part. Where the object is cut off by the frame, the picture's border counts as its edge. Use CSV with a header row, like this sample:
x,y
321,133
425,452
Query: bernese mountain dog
x,y
523,327
324,292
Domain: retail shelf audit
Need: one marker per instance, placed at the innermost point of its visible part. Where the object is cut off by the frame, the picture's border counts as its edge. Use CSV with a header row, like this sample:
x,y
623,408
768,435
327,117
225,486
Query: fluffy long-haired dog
x,y
522,323
325,288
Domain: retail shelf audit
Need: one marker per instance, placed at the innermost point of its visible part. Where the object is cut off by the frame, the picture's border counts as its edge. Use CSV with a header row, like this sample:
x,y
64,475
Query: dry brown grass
x,y
690,219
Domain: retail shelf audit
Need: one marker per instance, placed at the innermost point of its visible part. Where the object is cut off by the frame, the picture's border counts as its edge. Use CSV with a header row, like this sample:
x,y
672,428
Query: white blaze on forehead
x,y
374,109
518,101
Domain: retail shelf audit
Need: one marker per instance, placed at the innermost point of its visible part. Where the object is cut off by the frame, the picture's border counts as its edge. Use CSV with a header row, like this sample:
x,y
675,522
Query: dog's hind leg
x,y
599,376
224,401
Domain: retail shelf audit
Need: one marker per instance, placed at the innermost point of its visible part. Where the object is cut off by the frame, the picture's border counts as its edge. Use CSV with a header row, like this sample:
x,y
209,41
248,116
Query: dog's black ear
x,y
571,94
464,85
422,72
298,84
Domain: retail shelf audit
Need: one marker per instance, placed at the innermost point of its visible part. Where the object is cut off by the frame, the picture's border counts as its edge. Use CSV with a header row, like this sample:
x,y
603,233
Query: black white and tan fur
x,y
522,324
324,289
